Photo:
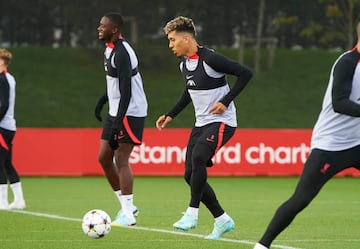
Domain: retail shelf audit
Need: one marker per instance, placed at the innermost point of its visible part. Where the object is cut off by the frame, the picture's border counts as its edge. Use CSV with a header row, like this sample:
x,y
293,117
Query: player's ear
x,y
186,37
115,30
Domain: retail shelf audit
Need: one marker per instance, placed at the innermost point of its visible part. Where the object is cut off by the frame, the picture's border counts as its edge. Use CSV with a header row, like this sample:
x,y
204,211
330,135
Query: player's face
x,y
106,30
178,43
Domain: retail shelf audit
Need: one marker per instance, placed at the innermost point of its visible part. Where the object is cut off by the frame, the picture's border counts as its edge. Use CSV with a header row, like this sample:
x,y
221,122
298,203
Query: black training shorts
x,y
131,129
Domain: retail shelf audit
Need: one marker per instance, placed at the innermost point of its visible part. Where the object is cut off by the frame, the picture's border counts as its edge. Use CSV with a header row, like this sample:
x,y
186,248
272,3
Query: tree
x,y
343,12
336,29
324,23
259,35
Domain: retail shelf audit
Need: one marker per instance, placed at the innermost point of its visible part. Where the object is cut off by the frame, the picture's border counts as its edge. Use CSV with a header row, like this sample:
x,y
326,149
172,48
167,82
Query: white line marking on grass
x,y
59,217
51,216
247,242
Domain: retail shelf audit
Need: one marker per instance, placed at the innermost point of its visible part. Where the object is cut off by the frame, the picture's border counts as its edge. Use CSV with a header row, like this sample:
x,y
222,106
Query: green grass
x,y
60,87
330,222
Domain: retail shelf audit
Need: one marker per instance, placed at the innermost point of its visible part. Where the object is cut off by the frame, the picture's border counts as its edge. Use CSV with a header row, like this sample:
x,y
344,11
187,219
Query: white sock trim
x,y
4,195
127,204
222,218
17,191
193,211
259,246
118,195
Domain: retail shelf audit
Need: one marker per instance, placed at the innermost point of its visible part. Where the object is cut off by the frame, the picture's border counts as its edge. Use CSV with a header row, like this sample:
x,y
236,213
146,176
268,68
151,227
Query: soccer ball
x,y
96,223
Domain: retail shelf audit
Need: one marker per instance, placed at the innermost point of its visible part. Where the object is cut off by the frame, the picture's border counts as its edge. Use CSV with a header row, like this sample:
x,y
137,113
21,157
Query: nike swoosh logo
x,y
189,76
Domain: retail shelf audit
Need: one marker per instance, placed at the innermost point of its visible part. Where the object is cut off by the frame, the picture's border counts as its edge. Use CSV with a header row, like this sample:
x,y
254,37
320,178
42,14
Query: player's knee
x,y
297,203
104,160
198,160
201,155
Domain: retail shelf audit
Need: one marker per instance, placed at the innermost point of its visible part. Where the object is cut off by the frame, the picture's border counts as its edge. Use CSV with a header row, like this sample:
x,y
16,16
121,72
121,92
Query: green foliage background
x,y
60,87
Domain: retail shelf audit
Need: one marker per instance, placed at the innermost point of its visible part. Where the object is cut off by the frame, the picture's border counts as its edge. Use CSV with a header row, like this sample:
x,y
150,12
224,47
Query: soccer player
x,y
204,73
7,132
335,143
124,125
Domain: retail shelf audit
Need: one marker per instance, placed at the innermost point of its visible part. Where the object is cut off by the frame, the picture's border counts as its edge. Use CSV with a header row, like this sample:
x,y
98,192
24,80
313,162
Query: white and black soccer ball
x,y
96,223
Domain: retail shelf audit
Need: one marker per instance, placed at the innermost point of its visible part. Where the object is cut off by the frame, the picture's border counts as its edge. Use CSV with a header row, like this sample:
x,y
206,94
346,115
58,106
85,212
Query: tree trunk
x,y
259,36
350,24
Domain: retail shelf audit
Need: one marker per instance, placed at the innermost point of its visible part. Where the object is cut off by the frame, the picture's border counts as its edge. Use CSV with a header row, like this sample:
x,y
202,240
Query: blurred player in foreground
x,y
7,132
335,141
204,72
124,125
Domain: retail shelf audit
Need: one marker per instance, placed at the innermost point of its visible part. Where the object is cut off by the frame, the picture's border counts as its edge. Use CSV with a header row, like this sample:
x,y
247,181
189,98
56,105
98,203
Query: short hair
x,y
181,24
5,55
115,18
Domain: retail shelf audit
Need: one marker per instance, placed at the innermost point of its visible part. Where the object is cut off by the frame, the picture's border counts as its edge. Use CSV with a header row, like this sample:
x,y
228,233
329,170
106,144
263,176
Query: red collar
x,y
111,44
194,57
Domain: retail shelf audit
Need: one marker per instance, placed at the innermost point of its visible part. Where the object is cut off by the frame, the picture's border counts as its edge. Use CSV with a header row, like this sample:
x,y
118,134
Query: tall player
x,y
335,141
7,132
204,72
124,124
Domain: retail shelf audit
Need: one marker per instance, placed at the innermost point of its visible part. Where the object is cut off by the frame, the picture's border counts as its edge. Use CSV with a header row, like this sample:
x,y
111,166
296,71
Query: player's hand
x,y
113,140
100,104
218,108
162,121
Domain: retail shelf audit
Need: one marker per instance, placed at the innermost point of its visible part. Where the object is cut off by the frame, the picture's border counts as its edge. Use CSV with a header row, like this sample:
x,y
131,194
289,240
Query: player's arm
x,y
343,76
123,67
99,106
4,95
224,65
184,100
163,120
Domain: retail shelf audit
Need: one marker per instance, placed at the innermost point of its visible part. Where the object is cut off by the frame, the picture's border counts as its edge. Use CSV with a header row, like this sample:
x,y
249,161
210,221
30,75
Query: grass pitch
x,y
55,207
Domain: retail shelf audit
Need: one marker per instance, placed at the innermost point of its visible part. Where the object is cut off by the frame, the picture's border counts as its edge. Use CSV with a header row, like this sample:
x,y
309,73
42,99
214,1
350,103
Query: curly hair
x,y
5,55
181,24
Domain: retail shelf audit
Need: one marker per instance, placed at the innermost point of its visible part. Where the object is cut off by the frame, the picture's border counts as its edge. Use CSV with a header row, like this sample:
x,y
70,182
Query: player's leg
x,y
4,203
197,178
200,155
203,143
130,134
190,218
354,155
13,177
106,160
209,140
319,168
308,186
122,155
202,191
105,157
214,137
